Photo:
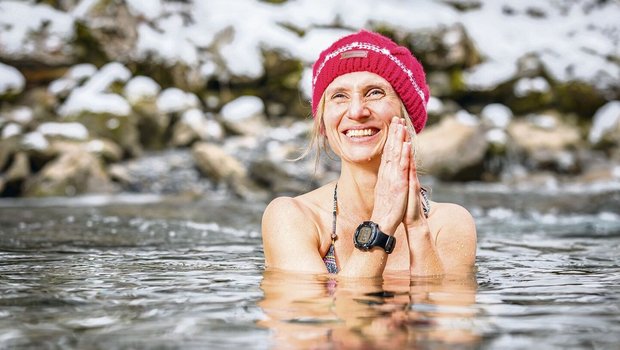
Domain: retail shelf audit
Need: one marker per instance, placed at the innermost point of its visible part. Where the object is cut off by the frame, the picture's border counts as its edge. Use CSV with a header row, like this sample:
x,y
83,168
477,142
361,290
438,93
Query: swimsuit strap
x,y
330,257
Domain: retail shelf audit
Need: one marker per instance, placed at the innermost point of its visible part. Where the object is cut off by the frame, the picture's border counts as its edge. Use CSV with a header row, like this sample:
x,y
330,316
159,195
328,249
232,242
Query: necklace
x,y
426,208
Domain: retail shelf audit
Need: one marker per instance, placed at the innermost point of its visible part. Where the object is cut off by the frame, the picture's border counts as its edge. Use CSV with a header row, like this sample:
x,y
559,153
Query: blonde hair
x,y
318,140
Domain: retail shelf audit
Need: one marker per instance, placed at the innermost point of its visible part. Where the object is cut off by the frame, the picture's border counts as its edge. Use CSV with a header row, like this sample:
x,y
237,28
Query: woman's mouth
x,y
358,133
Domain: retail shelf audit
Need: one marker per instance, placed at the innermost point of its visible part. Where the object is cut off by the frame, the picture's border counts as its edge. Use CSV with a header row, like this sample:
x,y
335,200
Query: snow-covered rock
x,y
12,82
606,123
174,100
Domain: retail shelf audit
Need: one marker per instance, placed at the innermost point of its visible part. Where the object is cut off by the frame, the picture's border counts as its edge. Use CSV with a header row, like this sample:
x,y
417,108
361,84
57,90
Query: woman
x,y
369,95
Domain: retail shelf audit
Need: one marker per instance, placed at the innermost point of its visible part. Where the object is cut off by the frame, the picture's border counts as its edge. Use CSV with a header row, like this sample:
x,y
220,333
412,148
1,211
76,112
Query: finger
x,y
389,144
405,158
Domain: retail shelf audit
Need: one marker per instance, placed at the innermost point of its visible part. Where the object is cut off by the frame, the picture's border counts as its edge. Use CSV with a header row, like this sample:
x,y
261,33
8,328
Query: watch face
x,y
365,234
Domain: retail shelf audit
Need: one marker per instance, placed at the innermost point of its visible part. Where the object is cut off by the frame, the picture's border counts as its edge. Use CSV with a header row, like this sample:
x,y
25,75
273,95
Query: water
x,y
131,272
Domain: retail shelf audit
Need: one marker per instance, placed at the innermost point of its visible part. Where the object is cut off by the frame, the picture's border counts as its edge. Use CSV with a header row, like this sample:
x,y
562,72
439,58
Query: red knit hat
x,y
372,52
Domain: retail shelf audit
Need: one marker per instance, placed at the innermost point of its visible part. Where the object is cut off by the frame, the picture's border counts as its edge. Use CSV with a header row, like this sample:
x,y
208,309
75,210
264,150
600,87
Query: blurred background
x,y
197,97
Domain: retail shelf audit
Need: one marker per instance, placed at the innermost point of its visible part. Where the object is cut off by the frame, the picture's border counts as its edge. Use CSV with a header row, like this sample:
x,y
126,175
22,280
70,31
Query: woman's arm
x,y
290,238
390,199
455,252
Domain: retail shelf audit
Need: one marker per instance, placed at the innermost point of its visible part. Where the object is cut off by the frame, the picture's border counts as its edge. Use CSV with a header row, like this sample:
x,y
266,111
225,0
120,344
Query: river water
x,y
141,271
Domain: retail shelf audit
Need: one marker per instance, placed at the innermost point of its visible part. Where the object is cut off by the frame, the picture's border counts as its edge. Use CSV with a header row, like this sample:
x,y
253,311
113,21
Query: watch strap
x,y
385,241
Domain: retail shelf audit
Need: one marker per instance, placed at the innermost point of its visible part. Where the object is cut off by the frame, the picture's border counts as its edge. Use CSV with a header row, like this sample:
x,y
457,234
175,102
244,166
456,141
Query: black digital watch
x,y
368,235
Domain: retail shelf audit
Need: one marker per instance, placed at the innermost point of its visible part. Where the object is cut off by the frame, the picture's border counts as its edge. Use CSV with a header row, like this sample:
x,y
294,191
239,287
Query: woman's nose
x,y
357,108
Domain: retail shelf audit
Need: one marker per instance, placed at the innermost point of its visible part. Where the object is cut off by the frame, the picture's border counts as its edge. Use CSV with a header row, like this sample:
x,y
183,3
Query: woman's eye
x,y
375,93
338,96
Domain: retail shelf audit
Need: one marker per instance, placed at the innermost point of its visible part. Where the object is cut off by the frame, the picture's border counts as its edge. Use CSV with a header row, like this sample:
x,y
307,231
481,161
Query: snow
x,y
606,119
93,96
147,9
19,20
140,88
205,128
525,86
81,71
497,136
74,131
497,115
74,76
11,130
573,40
242,108
11,80
467,118
22,115
174,100
434,106
35,141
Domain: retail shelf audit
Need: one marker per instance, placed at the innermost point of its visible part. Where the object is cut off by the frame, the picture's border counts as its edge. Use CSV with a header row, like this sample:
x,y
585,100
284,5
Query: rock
x,y
219,166
452,150
175,100
195,126
278,180
74,131
530,94
11,180
142,94
104,113
71,173
36,34
578,97
245,116
444,47
546,142
12,82
141,89
37,104
106,30
11,129
105,149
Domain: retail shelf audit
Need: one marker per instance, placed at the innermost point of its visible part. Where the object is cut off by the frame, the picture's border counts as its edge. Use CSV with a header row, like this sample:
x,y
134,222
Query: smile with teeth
x,y
360,132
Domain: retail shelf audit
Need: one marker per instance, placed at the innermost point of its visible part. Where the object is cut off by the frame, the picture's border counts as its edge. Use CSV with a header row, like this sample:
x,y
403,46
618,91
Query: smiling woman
x,y
369,101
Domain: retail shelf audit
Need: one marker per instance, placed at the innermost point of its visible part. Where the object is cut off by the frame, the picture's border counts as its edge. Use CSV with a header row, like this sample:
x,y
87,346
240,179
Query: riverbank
x,y
170,97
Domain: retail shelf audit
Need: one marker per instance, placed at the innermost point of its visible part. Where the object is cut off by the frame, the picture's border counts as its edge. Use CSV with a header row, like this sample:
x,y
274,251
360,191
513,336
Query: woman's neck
x,y
356,188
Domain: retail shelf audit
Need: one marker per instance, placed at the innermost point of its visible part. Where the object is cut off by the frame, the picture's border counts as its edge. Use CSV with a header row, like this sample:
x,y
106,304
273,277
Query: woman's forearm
x,y
424,258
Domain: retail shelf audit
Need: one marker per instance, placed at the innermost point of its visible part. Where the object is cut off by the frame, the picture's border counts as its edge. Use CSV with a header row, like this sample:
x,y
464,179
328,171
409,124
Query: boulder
x,y
195,126
452,150
245,116
105,30
216,164
546,143
36,34
74,172
13,177
12,82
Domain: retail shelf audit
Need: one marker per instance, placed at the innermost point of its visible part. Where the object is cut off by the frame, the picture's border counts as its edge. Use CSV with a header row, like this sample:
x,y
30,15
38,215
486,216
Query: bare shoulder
x,y
291,234
283,213
451,213
292,209
456,237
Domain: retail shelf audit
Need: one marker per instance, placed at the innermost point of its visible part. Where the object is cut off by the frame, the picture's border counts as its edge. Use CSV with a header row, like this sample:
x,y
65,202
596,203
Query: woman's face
x,y
359,107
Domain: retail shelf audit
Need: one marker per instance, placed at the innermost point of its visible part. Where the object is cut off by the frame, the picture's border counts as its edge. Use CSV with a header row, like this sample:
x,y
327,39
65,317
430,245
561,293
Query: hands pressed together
x,y
397,192
398,199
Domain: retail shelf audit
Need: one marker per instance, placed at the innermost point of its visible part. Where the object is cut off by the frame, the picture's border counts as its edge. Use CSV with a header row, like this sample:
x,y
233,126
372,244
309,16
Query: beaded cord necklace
x,y
330,257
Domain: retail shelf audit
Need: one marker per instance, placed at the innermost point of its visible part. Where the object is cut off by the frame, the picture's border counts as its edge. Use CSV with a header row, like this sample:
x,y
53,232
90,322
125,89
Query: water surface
x,y
138,271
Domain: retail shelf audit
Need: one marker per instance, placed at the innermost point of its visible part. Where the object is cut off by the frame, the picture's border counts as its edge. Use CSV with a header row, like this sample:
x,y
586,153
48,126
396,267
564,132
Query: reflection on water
x,y
149,272
394,313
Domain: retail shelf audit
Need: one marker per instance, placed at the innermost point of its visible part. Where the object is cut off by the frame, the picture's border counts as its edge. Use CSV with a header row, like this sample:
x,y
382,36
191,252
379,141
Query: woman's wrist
x,y
418,231
385,226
